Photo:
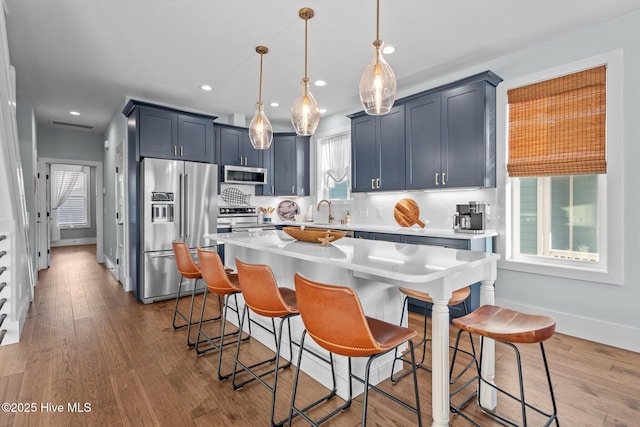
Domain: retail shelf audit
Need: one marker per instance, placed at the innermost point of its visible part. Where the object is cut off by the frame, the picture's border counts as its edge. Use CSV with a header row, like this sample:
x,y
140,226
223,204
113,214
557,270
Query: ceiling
x,y
88,56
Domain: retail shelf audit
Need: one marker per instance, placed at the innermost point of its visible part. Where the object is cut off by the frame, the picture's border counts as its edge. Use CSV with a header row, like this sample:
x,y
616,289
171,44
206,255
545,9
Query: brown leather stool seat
x,y
333,317
223,283
510,327
188,269
458,297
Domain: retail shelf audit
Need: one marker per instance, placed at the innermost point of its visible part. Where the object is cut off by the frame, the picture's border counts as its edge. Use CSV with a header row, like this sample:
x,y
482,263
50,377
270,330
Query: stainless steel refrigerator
x,y
179,203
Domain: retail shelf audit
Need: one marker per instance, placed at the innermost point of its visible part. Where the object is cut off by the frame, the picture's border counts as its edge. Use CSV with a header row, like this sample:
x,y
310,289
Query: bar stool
x,y
458,297
224,284
188,269
334,318
263,296
509,327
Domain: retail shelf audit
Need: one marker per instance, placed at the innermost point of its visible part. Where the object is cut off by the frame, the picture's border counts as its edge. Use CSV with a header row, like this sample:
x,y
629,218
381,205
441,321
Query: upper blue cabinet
x,y
447,140
170,134
287,164
378,151
235,147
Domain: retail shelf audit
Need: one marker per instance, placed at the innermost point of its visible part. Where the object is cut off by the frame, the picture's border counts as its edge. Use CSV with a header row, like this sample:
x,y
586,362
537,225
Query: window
x,y
334,167
563,185
74,211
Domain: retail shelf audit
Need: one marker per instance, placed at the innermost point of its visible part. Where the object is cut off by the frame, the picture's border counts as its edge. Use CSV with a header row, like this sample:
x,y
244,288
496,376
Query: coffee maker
x,y
470,218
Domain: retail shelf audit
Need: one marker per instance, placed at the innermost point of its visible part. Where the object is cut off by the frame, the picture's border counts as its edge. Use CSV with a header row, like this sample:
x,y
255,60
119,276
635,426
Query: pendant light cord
x,y
306,21
378,20
260,90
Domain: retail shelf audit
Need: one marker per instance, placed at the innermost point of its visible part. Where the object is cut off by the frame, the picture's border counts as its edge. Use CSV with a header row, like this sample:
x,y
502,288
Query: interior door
x,y
42,217
121,247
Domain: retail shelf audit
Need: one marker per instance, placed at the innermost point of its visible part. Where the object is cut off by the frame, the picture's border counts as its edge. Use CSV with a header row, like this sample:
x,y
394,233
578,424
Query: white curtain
x,y
337,153
63,179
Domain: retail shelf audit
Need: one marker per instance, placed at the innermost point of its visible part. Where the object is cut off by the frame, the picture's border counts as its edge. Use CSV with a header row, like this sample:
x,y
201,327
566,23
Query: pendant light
x,y
305,114
260,130
378,83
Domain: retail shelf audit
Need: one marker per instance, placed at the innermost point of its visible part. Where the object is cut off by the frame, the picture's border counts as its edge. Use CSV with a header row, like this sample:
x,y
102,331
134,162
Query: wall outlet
x,y
364,213
379,212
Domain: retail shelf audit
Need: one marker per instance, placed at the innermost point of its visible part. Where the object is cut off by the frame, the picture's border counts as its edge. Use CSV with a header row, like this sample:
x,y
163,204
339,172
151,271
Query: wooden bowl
x,y
314,235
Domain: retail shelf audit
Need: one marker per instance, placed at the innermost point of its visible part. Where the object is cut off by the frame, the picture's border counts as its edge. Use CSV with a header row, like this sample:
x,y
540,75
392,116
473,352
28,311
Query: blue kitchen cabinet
x,y
234,147
468,136
195,138
423,132
171,134
378,151
290,171
451,139
369,235
440,138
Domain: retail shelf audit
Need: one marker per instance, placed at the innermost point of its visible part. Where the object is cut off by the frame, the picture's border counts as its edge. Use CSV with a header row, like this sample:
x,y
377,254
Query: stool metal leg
x,y
294,411
521,399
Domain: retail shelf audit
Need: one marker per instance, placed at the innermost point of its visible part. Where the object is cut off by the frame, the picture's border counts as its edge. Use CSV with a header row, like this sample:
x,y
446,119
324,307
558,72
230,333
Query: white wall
x,y
595,311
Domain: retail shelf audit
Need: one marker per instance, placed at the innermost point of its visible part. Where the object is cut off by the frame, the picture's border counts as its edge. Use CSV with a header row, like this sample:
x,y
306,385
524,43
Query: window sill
x,y
593,274
74,227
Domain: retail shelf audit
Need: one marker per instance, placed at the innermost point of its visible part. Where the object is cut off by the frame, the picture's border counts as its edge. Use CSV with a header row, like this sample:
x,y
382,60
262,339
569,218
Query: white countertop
x,y
447,233
395,261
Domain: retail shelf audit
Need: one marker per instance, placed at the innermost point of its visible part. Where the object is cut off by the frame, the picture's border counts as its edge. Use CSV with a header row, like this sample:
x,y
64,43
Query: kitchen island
x,y
375,270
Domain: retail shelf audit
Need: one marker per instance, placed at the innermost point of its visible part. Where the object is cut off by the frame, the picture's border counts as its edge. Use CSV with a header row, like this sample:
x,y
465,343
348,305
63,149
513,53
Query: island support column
x,y
440,363
488,395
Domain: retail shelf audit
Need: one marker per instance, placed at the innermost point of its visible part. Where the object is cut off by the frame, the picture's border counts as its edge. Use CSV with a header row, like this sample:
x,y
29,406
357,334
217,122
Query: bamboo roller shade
x,y
557,127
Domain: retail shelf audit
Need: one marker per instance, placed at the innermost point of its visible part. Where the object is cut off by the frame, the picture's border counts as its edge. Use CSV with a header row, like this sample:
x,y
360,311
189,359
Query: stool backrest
x,y
260,290
186,265
214,274
334,318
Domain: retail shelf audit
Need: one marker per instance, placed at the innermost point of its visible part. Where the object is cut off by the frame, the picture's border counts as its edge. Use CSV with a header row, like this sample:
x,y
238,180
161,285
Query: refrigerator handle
x,y
185,192
182,195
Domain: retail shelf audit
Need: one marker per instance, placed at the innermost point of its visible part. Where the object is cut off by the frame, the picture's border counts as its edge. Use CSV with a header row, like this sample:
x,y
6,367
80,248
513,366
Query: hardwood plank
x,y
86,340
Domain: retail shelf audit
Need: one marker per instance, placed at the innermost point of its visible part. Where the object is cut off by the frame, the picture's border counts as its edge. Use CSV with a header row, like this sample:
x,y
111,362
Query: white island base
x,y
375,270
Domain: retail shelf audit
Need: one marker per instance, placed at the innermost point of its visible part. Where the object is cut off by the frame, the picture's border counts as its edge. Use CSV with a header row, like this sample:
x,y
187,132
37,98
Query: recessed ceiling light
x,y
207,88
74,113
274,104
388,50
323,110
320,83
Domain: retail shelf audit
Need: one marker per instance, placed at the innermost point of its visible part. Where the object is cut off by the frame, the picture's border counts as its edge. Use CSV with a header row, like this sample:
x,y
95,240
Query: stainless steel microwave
x,y
244,175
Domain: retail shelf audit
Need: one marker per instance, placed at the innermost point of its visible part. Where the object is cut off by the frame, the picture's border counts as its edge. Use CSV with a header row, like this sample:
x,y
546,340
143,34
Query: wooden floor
x,y
88,343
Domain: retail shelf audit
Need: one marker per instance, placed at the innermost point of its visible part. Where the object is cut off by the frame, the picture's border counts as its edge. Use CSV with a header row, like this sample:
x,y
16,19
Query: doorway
x,y
44,217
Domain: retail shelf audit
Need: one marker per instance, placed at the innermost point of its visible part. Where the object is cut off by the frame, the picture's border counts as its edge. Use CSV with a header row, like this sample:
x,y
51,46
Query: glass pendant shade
x,y
378,86
260,130
305,114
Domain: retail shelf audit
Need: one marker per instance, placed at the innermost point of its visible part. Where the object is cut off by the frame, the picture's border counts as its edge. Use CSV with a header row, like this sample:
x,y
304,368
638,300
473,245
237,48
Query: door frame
x,y
99,202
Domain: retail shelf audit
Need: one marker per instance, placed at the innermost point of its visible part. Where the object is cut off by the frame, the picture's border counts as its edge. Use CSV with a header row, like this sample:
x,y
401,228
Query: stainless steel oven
x,y
241,219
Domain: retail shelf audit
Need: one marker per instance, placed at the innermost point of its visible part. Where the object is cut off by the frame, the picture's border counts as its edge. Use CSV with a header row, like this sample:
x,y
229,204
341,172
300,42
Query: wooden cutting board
x,y
407,213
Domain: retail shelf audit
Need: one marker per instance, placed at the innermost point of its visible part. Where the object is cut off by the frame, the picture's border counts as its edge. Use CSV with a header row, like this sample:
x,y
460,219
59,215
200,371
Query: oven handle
x,y
246,230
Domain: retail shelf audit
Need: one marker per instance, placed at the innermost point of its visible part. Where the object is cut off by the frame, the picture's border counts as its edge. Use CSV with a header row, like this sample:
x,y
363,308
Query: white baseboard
x,y
613,334
74,242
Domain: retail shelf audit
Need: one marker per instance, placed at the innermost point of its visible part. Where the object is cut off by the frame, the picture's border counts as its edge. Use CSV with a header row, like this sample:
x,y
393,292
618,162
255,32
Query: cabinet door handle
x,y
175,150
293,190
181,151
373,180
437,176
444,174
377,182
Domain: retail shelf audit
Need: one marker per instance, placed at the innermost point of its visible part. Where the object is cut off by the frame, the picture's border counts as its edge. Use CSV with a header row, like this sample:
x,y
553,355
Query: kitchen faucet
x,y
328,204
